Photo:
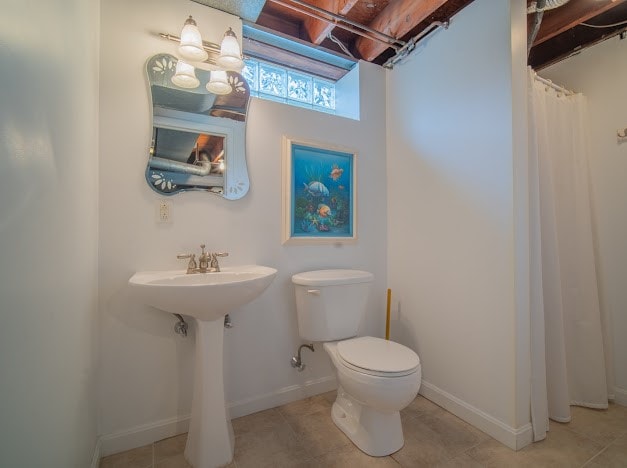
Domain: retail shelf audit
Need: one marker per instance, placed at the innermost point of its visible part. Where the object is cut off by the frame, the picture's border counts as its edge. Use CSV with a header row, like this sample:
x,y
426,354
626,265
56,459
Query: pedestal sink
x,y
207,297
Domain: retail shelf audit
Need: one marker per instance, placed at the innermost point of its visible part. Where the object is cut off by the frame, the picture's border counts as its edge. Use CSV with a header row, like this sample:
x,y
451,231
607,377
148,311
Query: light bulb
x,y
185,76
191,43
230,55
218,83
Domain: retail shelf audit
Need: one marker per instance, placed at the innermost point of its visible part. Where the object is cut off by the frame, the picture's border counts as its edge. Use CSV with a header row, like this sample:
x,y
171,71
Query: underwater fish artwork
x,y
307,226
336,172
323,210
316,189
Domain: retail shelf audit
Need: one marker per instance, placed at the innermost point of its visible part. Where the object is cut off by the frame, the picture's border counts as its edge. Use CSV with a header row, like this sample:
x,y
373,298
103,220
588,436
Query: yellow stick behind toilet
x,y
387,318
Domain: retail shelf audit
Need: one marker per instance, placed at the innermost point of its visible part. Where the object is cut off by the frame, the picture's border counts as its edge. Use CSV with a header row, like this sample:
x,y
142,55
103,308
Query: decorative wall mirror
x,y
198,138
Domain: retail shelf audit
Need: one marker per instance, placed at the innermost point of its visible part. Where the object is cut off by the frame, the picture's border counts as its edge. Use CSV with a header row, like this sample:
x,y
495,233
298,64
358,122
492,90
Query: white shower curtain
x,y
568,362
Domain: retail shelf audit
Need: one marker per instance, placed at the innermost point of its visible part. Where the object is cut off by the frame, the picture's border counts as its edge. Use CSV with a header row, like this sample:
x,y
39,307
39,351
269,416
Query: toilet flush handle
x,y
315,292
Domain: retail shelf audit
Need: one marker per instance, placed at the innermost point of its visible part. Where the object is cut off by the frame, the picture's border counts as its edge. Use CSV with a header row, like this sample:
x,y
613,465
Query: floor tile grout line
x,y
603,445
298,438
597,454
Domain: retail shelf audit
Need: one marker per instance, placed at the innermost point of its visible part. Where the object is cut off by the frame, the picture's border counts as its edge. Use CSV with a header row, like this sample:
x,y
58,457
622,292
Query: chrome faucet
x,y
203,260
207,262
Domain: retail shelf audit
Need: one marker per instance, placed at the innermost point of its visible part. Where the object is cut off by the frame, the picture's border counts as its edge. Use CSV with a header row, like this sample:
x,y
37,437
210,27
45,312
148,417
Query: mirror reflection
x,y
198,138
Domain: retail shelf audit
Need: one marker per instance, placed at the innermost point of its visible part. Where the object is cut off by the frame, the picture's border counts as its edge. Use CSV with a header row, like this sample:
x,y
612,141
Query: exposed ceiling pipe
x,y
539,7
342,23
411,44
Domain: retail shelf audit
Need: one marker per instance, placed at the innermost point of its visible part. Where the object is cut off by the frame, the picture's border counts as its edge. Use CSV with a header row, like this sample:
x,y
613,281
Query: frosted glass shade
x,y
219,83
185,76
191,42
230,54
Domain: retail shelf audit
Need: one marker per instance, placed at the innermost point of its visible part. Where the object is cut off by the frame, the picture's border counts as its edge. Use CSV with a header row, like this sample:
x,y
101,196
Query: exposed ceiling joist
x,y
578,38
374,30
397,19
318,29
573,13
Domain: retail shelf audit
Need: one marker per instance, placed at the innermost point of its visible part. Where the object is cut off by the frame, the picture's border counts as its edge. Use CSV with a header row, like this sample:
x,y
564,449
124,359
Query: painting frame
x,y
319,193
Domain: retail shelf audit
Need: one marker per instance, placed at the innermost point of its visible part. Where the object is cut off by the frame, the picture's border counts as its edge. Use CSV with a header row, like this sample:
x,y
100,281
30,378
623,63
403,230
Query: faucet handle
x,y
215,266
191,265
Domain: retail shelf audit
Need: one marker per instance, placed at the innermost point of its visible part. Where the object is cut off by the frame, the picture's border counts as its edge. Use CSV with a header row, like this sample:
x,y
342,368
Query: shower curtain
x,y
568,359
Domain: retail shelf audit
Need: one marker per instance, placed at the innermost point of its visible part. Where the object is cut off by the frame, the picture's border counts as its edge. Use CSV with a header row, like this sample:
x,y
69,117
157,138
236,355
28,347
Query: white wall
x,y
600,73
48,232
454,144
146,368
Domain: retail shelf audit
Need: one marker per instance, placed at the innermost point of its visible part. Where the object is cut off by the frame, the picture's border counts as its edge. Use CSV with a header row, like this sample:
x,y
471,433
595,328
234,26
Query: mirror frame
x,y
236,181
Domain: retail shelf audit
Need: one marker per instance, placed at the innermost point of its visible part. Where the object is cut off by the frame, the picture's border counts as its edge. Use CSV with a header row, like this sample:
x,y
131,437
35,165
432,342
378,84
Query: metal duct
x,y
177,166
537,7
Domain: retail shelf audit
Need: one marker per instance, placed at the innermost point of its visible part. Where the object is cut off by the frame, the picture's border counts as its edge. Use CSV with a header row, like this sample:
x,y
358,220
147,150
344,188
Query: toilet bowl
x,y
376,377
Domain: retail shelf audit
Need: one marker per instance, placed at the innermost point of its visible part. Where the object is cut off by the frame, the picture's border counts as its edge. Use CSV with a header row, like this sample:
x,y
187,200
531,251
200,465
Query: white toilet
x,y
377,378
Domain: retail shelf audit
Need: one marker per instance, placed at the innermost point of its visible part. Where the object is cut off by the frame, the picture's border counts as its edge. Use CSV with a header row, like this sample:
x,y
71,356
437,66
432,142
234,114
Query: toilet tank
x,y
330,304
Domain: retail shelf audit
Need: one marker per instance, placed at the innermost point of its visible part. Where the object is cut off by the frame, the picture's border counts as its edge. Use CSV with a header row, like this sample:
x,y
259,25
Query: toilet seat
x,y
377,357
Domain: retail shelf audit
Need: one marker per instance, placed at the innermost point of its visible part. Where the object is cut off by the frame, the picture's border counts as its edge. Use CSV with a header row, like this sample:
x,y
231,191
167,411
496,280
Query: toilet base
x,y
374,432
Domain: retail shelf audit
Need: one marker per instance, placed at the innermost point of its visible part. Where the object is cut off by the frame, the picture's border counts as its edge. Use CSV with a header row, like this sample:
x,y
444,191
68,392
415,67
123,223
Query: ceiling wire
x,y
340,45
601,26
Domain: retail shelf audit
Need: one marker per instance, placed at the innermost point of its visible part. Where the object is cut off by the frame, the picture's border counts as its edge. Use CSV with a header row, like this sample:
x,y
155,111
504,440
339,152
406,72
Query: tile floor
x,y
302,434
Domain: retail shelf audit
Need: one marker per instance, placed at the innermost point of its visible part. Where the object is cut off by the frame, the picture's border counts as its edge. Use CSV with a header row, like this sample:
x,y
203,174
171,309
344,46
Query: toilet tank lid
x,y
332,277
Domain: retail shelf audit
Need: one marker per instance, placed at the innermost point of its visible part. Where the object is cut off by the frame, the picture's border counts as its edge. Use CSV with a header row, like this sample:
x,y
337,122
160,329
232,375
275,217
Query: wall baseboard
x,y
620,396
513,438
95,459
144,434
282,396
138,436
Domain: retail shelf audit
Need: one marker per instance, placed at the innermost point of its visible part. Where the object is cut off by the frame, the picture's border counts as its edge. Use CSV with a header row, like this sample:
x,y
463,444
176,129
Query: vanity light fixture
x,y
191,42
230,55
192,51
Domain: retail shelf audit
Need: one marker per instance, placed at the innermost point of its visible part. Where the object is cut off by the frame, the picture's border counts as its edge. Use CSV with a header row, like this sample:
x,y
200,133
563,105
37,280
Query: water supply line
x,y
297,362
180,328
227,321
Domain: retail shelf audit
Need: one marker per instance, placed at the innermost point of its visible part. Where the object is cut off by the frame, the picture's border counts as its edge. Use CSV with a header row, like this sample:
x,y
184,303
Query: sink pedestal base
x,y
210,441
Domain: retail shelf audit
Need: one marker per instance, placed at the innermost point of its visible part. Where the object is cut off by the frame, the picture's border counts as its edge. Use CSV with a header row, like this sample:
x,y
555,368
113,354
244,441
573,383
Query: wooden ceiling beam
x,y
318,29
397,19
570,15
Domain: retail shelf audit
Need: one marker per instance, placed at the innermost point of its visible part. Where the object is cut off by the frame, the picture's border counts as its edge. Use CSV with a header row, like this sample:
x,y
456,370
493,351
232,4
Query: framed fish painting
x,y
319,193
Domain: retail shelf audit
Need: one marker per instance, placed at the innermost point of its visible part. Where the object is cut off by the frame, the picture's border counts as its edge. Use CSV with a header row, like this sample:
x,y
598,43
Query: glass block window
x,y
299,87
292,87
324,94
250,74
272,80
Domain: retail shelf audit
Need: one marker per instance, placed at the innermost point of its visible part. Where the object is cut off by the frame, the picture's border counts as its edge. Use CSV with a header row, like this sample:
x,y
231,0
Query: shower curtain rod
x,y
559,88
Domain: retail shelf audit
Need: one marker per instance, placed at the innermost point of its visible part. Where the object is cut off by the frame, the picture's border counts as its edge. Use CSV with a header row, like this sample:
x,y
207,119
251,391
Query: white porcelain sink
x,y
207,297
